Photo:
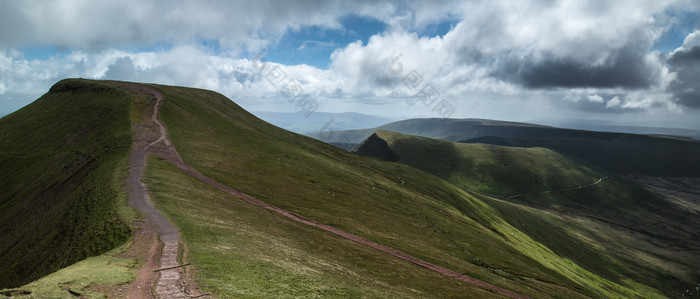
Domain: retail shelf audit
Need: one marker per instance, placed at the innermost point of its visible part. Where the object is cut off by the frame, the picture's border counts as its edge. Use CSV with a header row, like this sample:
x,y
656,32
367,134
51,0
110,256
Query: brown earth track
x,y
165,149
149,284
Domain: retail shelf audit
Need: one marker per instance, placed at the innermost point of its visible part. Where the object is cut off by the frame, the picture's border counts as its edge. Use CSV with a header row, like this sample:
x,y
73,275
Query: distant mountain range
x,y
300,122
615,152
665,129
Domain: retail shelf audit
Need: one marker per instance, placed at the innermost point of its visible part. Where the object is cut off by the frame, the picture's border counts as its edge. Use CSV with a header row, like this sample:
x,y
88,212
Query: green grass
x,y
58,189
495,170
598,228
85,278
242,251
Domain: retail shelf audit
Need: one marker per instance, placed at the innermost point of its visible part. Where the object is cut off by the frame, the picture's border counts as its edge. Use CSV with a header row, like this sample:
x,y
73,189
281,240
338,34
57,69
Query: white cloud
x,y
502,56
90,25
595,98
613,103
691,40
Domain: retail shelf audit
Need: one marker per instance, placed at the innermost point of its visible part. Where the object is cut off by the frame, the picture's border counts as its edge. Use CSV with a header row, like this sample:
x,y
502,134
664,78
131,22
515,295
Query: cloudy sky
x,y
626,61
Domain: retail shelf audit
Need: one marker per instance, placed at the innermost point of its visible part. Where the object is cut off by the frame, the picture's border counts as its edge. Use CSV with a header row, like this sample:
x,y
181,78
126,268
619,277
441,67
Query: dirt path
x,y
164,148
168,283
562,190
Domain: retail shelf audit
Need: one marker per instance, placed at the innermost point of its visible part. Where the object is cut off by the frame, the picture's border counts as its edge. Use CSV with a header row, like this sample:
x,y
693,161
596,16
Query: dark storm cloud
x,y
625,67
98,25
686,87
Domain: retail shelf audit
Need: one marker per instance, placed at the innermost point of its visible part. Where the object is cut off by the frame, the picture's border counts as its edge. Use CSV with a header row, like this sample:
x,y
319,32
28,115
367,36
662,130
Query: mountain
x,y
613,152
599,126
573,208
62,159
301,122
438,128
264,212
619,153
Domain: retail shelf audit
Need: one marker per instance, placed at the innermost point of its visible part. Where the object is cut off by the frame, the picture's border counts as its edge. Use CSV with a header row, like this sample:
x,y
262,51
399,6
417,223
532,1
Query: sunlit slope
x,y
242,251
613,228
494,170
62,158
389,203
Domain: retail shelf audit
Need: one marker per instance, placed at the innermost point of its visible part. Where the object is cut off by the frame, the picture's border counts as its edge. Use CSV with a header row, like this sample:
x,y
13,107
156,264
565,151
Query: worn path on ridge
x,y
169,283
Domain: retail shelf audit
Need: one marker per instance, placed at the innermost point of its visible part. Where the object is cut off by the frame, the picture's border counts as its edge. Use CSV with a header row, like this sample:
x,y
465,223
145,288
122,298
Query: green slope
x,y
62,158
494,170
614,228
389,203
241,251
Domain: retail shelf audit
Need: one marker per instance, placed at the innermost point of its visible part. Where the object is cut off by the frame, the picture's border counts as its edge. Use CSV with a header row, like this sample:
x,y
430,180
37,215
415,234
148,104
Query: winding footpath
x,y
167,283
562,190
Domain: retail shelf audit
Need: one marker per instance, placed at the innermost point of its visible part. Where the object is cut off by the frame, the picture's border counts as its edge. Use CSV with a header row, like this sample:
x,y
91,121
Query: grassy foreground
x,y
85,279
242,251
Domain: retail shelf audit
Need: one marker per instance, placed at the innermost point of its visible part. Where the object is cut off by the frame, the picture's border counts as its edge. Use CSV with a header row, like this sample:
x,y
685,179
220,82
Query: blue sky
x,y
626,61
685,23
313,45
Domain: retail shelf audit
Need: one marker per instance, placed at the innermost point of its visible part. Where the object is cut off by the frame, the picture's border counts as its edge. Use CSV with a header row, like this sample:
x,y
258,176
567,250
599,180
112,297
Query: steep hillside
x,y
614,152
62,159
494,170
568,206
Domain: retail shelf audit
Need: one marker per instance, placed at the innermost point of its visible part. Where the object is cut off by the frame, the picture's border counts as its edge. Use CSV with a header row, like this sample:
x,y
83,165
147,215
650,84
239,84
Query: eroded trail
x,y
165,149
561,190
168,283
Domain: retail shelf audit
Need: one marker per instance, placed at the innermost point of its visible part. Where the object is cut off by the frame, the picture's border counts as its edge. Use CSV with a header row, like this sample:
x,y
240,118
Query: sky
x,y
620,62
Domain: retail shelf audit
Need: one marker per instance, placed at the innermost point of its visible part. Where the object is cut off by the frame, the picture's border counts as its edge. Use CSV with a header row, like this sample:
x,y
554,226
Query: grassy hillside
x,y
241,251
495,170
620,153
63,158
389,203
575,223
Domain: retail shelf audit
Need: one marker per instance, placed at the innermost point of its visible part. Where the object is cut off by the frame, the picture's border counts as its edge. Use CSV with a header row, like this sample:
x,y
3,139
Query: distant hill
x,y
614,152
570,199
632,129
438,128
301,122
495,170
